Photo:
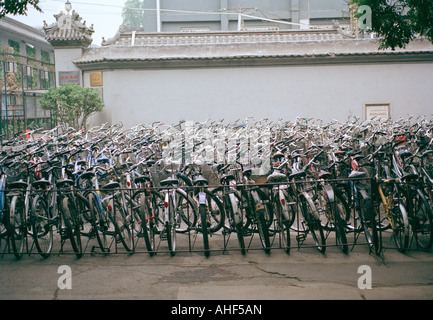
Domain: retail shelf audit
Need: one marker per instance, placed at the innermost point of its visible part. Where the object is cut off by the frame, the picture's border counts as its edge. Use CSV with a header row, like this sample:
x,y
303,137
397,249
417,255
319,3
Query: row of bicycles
x,y
335,184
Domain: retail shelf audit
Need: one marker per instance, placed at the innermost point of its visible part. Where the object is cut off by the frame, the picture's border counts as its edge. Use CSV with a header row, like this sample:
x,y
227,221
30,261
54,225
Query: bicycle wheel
x,y
170,228
400,227
70,219
122,225
147,220
186,212
332,219
214,212
204,229
262,229
99,222
17,225
368,224
421,219
313,222
42,226
235,220
340,225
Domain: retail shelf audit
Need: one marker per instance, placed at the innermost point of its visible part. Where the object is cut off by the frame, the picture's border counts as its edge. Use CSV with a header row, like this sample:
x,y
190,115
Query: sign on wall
x,y
377,111
69,77
96,79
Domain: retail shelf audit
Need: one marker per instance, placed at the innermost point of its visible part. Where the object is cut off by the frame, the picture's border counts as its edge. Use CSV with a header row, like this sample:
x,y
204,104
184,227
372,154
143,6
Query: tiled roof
x,y
226,38
23,30
152,47
67,35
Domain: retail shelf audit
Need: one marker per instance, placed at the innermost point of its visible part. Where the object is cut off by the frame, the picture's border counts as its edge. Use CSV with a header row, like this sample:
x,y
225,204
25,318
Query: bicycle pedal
x,y
248,232
226,231
301,238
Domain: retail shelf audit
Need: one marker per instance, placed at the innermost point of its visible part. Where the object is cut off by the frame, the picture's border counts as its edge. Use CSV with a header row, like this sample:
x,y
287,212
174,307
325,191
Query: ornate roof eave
x,y
68,31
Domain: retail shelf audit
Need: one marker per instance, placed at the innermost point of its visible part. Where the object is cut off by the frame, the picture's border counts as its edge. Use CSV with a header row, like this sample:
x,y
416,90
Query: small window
x,y
15,45
45,56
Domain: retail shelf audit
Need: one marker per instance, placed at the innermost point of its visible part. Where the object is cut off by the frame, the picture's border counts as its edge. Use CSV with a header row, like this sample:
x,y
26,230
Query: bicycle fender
x,y
235,209
329,192
311,204
283,202
405,218
364,194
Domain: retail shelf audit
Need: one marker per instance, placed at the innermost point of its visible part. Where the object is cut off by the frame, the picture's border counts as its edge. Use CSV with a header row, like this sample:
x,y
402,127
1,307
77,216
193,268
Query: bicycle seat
x,y
141,179
409,176
357,174
17,185
64,183
82,162
41,183
298,174
227,177
169,182
111,185
276,177
405,154
325,174
427,152
247,172
200,181
87,175
150,163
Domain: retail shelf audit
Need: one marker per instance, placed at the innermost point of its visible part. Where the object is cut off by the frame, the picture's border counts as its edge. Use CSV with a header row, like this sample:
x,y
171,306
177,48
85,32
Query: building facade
x,y
240,15
26,72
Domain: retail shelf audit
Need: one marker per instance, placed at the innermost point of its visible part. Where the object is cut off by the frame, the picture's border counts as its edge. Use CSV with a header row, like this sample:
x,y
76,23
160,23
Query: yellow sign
x,y
96,79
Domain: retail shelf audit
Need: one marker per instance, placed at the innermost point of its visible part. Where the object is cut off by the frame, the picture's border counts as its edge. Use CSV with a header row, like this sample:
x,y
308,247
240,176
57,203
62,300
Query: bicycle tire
x,y
16,226
334,211
123,231
70,218
204,229
99,224
401,227
186,212
340,228
263,231
284,222
147,220
170,227
314,225
421,219
237,226
369,225
42,226
214,211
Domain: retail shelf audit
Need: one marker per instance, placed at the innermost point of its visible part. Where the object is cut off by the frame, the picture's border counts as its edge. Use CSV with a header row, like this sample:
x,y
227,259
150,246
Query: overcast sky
x,y
105,15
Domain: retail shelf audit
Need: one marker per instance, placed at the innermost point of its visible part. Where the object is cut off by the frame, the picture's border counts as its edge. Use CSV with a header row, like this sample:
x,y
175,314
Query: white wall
x,y
64,58
326,92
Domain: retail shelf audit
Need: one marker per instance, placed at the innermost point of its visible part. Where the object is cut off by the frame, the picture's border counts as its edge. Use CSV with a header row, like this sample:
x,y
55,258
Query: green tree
x,y
71,104
17,7
398,22
132,13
